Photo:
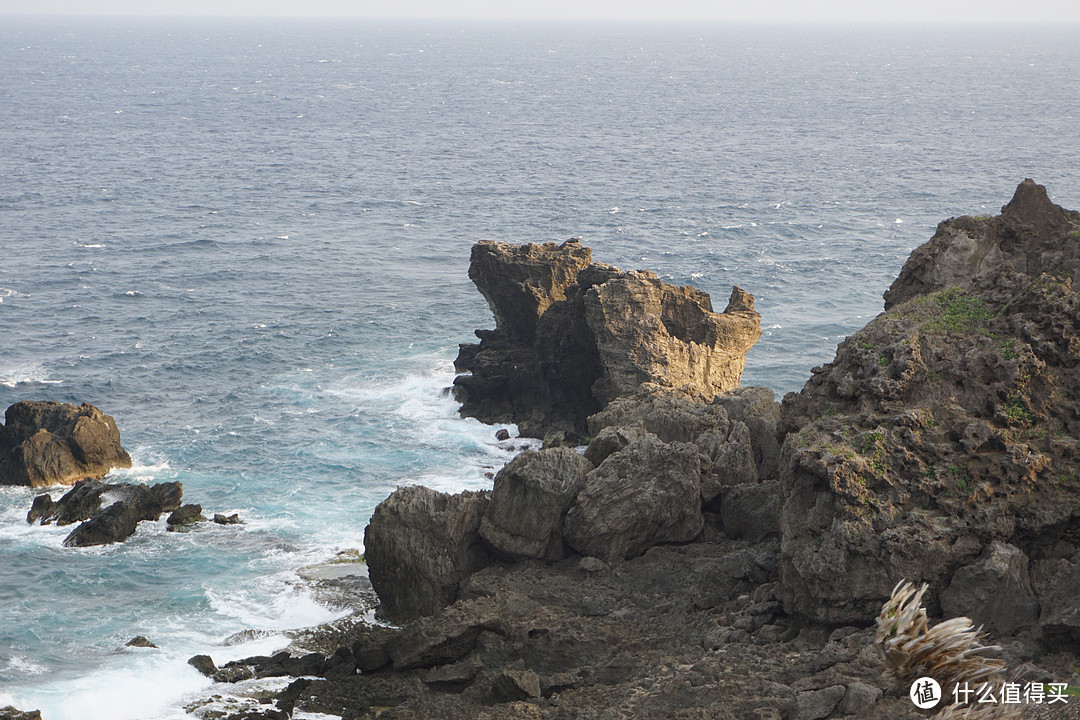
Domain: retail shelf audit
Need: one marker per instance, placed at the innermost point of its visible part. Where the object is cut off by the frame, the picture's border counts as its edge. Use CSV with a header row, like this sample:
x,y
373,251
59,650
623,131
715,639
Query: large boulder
x,y
944,432
572,335
46,443
108,512
647,493
529,502
419,545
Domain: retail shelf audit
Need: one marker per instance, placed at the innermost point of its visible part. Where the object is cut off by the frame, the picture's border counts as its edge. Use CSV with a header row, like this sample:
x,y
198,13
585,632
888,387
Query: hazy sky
x,y
782,10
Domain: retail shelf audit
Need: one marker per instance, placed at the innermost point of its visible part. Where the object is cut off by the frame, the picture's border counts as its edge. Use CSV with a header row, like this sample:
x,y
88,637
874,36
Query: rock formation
x,y
942,443
572,335
50,443
419,545
715,555
108,512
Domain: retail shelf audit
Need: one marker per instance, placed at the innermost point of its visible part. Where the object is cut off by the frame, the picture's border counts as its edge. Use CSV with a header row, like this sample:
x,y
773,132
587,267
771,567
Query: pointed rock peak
x,y
740,301
1030,200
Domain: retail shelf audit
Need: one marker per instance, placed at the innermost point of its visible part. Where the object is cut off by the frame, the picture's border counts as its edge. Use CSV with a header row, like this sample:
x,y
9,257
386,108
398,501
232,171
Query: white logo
x,y
925,693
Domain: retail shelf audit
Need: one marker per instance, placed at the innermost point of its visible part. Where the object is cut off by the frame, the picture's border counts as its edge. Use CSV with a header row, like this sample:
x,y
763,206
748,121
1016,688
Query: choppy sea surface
x,y
248,241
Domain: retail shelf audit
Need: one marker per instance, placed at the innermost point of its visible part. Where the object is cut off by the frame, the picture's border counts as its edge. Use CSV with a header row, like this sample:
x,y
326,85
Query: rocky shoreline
x,y
715,554
706,552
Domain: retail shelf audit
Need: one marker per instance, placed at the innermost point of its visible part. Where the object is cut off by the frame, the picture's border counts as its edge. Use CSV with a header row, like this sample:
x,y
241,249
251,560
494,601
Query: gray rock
x,y
419,545
611,440
817,704
751,511
508,685
647,493
859,697
1057,586
756,407
109,512
529,501
994,591
204,664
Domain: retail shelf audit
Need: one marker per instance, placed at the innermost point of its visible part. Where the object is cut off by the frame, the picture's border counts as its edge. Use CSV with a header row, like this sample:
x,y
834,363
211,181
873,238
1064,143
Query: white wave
x,y
289,610
26,374
21,667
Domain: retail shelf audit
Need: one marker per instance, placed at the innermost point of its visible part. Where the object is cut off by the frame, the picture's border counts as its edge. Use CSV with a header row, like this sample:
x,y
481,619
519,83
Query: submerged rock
x,y
50,443
108,512
572,335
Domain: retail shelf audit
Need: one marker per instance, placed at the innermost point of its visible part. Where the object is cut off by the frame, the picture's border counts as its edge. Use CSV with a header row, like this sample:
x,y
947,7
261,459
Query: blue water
x,y
248,241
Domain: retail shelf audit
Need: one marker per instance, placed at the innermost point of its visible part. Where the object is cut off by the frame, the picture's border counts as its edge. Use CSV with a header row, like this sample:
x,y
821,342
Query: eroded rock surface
x,y
419,545
942,444
572,335
46,443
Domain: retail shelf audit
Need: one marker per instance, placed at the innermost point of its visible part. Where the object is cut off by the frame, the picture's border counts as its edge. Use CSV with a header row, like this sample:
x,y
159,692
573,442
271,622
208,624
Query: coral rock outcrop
x,y
572,335
942,443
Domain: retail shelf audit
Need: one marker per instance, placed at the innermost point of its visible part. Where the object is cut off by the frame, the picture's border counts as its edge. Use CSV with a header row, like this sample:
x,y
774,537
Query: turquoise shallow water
x,y
248,241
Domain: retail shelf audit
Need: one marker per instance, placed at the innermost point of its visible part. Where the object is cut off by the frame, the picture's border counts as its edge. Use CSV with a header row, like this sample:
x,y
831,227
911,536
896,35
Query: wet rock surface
x,y
107,512
572,335
46,443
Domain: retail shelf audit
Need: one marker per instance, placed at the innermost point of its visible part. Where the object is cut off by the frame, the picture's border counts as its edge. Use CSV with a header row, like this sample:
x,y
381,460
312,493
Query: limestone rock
x,y
529,501
647,493
751,511
50,443
419,545
944,426
994,591
572,335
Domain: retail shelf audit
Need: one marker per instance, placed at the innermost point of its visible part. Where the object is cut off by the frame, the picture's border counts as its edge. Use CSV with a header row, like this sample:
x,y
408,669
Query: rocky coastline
x,y
713,553
682,547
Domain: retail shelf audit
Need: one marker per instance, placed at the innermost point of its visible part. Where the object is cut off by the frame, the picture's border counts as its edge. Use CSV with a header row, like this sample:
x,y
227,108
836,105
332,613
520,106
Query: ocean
x,y
248,241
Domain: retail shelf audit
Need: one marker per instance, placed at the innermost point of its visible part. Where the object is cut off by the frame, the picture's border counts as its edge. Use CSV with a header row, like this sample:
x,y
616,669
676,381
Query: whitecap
x,y
25,374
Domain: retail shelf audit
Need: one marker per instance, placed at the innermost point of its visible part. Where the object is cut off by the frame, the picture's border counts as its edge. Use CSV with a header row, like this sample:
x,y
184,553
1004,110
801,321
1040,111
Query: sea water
x,y
248,241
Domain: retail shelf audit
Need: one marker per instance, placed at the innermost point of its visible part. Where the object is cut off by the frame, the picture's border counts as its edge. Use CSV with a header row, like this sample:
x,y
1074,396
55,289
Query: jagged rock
x,y
945,425
751,511
419,545
109,512
859,697
1057,587
817,704
994,591
681,415
572,335
49,443
139,641
451,634
10,713
233,519
647,493
756,407
611,440
510,684
529,501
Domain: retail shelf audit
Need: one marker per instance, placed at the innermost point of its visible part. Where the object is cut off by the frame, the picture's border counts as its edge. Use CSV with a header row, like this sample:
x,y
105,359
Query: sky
x,y
1008,11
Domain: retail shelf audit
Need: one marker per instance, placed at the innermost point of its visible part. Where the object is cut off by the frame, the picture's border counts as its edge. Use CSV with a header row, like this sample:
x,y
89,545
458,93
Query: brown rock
x,y
50,443
572,336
